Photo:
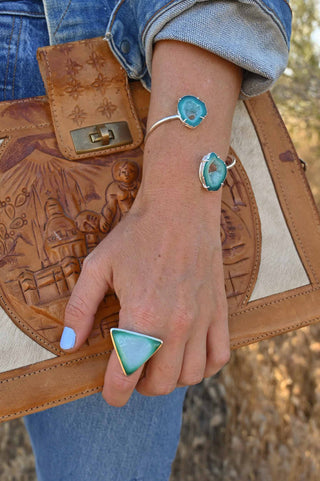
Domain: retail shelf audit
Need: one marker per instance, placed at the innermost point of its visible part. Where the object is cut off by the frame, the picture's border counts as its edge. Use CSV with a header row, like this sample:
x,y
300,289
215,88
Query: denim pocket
x,y
22,31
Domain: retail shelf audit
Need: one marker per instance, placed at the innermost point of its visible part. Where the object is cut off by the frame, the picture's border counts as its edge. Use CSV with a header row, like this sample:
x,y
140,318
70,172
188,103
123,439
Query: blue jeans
x,y
85,440
22,30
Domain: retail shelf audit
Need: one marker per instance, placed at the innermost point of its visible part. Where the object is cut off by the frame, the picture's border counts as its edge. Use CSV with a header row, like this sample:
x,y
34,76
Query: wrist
x,y
173,196
171,168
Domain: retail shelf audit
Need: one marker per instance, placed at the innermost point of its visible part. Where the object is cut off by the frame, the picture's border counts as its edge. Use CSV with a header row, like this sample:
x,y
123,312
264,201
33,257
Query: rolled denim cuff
x,y
242,32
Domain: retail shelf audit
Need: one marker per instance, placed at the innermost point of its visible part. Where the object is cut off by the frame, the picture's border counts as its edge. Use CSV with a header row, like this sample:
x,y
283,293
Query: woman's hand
x,y
164,259
166,269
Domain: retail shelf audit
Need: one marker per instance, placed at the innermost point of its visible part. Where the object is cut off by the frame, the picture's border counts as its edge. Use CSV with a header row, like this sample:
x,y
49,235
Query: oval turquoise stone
x,y
191,110
214,172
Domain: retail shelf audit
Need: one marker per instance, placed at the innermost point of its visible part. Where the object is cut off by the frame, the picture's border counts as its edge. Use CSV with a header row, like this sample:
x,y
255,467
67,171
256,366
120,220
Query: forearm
x,y
172,151
164,259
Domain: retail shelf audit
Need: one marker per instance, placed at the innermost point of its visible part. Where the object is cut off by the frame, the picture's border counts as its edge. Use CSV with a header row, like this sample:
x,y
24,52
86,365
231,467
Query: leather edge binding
x,y
289,193
27,390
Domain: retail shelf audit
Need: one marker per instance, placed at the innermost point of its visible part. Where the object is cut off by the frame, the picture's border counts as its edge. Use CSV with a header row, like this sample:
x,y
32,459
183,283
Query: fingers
x,y
118,387
218,347
163,370
87,294
195,359
179,362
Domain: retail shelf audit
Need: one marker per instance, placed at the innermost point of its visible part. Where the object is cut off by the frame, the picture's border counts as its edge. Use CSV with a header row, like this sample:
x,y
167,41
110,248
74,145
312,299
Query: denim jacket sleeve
x,y
254,34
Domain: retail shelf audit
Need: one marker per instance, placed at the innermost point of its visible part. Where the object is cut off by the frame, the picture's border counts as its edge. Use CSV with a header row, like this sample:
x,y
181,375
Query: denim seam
x,y
113,46
62,18
274,17
8,60
164,8
286,1
110,41
16,58
22,14
113,14
116,50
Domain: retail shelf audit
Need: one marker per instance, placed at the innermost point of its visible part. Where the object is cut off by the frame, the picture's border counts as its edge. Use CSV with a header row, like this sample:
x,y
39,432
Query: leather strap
x,y
30,389
295,197
296,308
275,315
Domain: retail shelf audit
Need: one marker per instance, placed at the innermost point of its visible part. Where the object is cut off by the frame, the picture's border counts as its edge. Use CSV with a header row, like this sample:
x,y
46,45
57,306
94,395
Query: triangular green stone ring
x,y
213,171
133,349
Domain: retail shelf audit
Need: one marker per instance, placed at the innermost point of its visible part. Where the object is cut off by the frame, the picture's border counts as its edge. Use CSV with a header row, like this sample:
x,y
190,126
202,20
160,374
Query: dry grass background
x,y
269,427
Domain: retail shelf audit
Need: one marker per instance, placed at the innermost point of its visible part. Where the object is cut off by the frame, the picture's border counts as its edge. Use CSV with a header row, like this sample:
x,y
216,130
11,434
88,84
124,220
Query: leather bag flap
x,y
91,105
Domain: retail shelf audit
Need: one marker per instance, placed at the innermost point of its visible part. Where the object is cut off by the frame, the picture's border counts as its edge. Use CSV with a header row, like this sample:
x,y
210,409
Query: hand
x,y
164,259
167,273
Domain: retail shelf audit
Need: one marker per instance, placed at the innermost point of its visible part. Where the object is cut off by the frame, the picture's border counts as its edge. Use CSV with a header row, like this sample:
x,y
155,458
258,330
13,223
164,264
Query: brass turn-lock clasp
x,y
99,137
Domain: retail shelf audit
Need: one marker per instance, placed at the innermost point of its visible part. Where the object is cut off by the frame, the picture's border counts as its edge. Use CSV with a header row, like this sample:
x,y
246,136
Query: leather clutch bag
x,y
60,158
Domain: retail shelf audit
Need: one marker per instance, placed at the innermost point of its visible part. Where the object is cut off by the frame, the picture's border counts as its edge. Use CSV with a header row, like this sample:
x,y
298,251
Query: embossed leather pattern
x,y
55,209
86,86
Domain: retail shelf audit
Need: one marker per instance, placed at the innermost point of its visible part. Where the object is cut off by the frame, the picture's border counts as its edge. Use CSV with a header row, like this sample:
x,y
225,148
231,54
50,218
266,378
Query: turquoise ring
x,y
133,349
190,111
213,171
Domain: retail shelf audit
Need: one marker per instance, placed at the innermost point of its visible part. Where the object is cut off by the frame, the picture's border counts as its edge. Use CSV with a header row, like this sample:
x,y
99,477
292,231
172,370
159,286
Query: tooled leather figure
x,y
121,193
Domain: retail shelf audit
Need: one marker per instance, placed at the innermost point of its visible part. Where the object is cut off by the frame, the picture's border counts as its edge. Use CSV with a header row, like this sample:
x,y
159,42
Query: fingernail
x,y
68,338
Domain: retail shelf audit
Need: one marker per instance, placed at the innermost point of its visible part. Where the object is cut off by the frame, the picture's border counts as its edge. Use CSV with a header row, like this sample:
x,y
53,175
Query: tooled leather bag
x,y
70,166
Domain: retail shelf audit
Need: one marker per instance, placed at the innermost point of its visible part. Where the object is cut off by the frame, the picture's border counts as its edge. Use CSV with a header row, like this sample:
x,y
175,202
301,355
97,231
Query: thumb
x,y
86,296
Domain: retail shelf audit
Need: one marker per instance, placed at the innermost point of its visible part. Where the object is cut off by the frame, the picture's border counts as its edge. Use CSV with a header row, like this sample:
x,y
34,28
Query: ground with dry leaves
x,y
270,427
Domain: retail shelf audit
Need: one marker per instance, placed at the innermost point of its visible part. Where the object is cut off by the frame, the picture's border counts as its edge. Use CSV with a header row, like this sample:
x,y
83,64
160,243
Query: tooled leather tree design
x,y
54,211
64,209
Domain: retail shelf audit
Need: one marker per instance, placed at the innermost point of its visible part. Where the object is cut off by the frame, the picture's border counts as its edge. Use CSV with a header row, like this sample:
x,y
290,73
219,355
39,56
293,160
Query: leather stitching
x,y
4,144
54,366
62,18
60,400
284,192
42,100
274,332
50,90
25,328
26,127
51,403
276,301
256,217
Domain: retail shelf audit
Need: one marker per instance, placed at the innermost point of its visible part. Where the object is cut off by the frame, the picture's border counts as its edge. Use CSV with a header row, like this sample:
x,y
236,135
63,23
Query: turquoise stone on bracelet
x,y
212,171
133,349
191,110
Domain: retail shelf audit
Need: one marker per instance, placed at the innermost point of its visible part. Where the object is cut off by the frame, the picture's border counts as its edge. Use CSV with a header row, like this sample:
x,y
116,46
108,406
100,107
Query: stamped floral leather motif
x,y
86,86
